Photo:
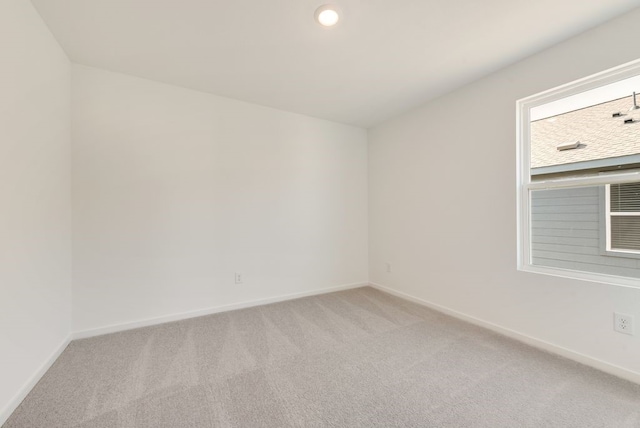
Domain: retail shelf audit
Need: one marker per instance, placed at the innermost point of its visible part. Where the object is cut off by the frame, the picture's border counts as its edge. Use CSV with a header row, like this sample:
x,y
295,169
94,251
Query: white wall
x,y
443,207
35,227
175,190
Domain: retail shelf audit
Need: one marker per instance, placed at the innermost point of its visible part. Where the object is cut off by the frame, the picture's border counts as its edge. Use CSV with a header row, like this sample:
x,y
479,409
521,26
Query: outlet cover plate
x,y
623,323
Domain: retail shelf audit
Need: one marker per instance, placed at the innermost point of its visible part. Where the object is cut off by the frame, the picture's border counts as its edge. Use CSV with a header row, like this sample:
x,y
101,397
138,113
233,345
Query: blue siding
x,y
566,233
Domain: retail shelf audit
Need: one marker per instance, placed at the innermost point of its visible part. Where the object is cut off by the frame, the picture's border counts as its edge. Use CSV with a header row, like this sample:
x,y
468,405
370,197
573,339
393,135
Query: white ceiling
x,y
383,58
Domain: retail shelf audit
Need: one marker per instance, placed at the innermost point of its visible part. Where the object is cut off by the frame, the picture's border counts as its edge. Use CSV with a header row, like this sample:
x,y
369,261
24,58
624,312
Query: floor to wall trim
x,y
33,380
612,369
209,311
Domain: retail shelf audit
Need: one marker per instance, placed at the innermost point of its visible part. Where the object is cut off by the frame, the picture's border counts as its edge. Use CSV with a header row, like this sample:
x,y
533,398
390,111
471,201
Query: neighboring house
x,y
594,228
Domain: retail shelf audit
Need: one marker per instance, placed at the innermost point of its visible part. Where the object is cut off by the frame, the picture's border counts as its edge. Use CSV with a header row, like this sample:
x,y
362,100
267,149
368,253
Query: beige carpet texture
x,y
357,358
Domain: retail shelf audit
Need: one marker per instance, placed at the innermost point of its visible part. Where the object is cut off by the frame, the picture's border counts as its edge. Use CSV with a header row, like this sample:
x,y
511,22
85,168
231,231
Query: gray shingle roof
x,y
601,136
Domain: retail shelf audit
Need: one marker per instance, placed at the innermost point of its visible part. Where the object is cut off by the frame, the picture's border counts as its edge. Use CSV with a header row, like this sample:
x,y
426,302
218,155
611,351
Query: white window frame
x,y
525,185
608,214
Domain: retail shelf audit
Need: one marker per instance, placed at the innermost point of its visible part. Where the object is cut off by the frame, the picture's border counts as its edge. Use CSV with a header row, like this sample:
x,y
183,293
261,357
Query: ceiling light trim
x,y
328,15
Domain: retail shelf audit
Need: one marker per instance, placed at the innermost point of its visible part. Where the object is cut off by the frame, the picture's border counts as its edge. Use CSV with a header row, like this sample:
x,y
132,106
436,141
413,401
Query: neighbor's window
x,y
579,179
623,217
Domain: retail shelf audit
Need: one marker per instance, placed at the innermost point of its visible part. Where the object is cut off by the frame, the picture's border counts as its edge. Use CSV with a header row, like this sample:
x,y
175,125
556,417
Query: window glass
x,y
624,212
579,191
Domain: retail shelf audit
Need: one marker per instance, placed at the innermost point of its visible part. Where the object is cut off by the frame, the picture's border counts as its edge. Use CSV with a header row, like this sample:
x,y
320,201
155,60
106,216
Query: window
x,y
579,179
623,217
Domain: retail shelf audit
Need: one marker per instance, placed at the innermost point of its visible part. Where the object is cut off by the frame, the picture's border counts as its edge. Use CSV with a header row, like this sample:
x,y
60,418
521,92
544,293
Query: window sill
x,y
623,254
621,281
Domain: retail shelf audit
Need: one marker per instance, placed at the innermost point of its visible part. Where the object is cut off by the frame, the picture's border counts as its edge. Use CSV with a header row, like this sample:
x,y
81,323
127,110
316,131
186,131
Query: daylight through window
x,y
579,179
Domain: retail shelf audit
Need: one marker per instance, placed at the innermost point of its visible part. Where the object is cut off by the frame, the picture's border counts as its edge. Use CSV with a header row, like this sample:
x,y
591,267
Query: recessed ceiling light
x,y
327,15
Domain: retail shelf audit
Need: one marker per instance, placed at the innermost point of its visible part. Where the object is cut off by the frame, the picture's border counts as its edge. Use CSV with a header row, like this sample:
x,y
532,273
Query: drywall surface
x,y
35,205
176,190
443,206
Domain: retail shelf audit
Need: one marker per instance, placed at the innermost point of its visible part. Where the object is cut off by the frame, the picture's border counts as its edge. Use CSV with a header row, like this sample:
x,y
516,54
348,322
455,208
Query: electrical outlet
x,y
238,278
388,267
623,323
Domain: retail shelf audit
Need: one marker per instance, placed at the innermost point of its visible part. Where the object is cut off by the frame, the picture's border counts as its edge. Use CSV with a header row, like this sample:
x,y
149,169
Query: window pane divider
x,y
593,180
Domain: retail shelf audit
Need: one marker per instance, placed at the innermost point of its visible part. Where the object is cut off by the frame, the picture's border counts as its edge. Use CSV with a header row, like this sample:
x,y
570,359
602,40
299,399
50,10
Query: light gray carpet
x,y
357,358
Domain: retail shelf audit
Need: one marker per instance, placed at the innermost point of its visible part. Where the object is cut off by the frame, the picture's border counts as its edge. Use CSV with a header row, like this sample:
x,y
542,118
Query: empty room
x,y
305,213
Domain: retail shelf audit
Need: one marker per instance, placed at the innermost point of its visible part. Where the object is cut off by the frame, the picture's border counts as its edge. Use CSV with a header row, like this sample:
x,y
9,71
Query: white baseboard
x,y
612,369
35,378
208,311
